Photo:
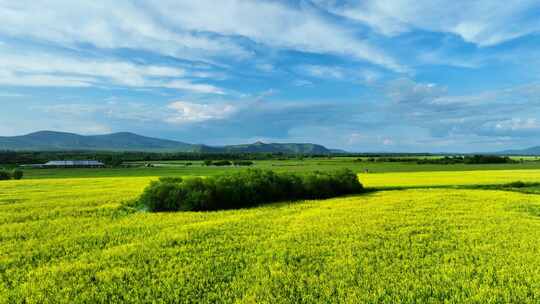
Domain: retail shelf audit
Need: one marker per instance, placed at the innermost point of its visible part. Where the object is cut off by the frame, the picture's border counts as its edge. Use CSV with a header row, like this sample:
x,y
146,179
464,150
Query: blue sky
x,y
397,75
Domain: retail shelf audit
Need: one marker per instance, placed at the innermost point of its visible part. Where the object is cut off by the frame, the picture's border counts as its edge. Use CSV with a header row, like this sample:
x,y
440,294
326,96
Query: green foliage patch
x,y
4,175
15,174
245,189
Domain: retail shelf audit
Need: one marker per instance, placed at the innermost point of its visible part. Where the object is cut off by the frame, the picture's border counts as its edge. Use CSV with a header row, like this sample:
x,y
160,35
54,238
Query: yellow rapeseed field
x,y
71,241
447,178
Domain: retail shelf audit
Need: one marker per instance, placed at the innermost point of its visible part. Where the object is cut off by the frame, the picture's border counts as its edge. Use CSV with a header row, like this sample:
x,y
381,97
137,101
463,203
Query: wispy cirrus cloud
x,y
187,29
338,73
484,22
108,25
54,70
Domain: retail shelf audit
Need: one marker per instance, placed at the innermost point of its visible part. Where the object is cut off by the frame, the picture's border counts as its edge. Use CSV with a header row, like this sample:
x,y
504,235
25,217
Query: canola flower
x,y
72,241
447,178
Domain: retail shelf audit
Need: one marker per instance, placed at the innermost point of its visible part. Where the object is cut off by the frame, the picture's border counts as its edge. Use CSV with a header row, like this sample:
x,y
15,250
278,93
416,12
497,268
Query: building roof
x,y
74,163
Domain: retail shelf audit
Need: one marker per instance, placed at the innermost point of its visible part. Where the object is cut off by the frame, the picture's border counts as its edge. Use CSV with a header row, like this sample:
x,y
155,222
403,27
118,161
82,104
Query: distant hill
x,y
56,141
527,151
286,148
61,141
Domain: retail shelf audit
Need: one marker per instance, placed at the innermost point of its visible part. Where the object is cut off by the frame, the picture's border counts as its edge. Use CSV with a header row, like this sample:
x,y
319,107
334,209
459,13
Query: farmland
x,y
196,168
68,239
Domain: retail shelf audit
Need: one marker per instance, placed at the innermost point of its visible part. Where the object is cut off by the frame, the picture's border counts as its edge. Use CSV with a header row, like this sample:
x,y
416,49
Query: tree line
x,y
117,158
446,160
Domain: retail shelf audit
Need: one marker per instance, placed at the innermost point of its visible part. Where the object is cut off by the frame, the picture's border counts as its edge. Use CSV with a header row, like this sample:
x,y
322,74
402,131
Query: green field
x,y
178,168
71,240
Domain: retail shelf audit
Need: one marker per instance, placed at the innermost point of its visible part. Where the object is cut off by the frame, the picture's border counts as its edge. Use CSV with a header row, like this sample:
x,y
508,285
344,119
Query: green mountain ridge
x,y
532,151
125,141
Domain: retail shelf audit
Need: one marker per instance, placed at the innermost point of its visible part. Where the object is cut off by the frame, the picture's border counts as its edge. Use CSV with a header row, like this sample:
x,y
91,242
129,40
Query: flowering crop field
x,y
448,178
72,241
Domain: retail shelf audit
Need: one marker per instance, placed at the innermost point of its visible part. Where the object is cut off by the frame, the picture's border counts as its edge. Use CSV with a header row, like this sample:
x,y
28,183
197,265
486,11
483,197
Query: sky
x,y
364,76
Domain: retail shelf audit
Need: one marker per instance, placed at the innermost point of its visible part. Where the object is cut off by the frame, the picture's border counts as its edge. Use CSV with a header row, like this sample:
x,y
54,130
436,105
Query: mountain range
x,y
125,141
525,152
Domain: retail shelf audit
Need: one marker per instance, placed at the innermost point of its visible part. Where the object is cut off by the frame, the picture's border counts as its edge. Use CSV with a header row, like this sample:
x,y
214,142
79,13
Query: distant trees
x,y
488,159
242,163
4,175
15,174
244,189
446,160
112,160
222,163
469,159
116,158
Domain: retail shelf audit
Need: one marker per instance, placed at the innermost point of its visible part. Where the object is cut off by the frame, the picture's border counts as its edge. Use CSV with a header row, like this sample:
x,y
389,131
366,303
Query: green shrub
x,y
244,189
17,174
218,163
518,184
161,196
4,175
170,179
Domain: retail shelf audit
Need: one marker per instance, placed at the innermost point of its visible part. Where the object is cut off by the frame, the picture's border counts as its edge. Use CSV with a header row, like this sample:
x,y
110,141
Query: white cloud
x,y
406,91
517,124
483,22
107,24
193,87
302,83
283,27
442,58
189,112
265,67
13,79
62,71
339,73
185,29
321,71
506,112
177,113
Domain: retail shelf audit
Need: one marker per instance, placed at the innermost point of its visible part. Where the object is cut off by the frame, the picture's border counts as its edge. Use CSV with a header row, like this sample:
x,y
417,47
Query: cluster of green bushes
x,y
222,163
15,174
391,159
244,189
246,163
218,163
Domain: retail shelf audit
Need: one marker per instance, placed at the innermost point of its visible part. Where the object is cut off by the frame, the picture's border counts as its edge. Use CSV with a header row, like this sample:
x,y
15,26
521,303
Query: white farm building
x,y
70,164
